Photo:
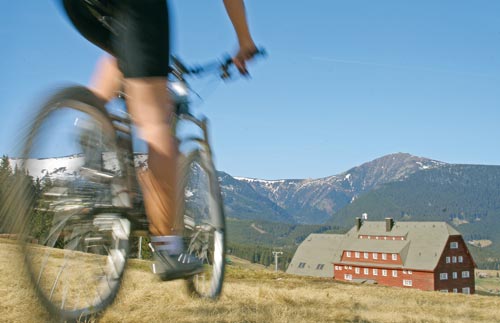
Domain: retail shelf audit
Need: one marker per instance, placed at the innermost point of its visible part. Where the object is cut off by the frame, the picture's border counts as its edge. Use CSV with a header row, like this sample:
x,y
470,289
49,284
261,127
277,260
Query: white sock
x,y
172,244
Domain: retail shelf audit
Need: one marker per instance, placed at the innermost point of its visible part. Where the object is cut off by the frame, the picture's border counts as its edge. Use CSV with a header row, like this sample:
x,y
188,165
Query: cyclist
x,y
136,35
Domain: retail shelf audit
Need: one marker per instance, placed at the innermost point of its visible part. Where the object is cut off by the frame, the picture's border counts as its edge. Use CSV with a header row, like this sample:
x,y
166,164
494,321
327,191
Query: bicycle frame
x,y
123,129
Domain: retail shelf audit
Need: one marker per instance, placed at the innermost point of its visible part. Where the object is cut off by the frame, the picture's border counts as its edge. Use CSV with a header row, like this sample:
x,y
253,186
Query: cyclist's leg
x,y
149,105
107,78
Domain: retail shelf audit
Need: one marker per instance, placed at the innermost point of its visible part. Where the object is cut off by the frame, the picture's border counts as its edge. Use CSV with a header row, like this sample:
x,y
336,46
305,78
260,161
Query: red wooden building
x,y
423,255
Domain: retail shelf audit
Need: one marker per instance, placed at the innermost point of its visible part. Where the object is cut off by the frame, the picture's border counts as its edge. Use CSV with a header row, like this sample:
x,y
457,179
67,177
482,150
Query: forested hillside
x,y
466,196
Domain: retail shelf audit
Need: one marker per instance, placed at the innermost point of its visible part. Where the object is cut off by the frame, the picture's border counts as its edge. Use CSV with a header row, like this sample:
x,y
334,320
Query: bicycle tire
x,y
75,240
204,223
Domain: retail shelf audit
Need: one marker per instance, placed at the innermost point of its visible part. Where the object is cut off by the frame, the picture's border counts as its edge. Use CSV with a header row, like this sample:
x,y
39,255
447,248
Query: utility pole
x,y
276,254
140,248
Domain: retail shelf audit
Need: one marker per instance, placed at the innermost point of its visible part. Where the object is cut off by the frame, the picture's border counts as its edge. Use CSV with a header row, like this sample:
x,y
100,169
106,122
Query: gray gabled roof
x,y
317,249
421,249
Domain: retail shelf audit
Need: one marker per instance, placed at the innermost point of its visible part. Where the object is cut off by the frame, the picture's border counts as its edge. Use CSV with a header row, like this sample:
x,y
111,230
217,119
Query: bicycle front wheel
x,y
75,240
204,223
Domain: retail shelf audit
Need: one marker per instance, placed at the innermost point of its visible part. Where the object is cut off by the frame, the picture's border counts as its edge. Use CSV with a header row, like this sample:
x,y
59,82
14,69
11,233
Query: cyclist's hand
x,y
246,52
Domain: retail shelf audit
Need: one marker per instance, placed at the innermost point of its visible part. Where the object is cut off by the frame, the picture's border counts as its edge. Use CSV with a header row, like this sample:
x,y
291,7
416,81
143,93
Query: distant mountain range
x,y
314,201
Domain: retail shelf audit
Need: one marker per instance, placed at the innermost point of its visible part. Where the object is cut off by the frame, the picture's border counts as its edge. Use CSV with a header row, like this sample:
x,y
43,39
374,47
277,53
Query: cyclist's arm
x,y
237,14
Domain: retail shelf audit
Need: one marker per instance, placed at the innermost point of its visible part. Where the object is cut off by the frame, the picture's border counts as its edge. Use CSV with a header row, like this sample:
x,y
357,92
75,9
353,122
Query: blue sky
x,y
345,81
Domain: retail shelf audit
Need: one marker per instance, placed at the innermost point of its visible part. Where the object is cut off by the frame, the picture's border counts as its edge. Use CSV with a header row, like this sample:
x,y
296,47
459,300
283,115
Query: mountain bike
x,y
77,221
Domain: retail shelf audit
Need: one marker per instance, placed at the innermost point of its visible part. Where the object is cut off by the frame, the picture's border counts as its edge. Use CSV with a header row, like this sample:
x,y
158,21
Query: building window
x,y
466,290
375,272
454,245
356,270
407,282
365,255
302,265
348,254
455,290
465,274
444,291
384,256
394,256
320,266
375,256
443,276
376,238
394,273
448,260
410,272
454,259
404,272
454,275
366,271
356,254
384,272
348,277
460,259
369,237
339,268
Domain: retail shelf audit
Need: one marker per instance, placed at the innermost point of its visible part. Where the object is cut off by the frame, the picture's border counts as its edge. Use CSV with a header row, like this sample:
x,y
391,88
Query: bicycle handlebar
x,y
179,69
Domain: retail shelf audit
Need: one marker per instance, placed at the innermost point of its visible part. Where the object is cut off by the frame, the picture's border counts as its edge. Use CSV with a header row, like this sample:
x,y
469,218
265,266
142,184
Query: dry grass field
x,y
252,294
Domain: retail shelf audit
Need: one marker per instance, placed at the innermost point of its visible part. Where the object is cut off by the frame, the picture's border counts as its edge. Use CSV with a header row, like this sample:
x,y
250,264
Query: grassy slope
x,y
253,294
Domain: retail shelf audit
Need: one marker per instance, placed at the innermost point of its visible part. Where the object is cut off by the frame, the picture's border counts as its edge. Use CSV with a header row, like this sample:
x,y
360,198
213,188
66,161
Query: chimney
x,y
359,222
389,223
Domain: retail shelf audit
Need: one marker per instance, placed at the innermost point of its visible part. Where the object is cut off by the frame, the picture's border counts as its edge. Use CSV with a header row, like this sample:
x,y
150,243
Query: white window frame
x,y
356,255
465,274
460,259
384,256
466,290
394,256
375,256
448,260
347,276
454,259
348,254
384,272
365,255
454,275
394,273
357,270
443,276
407,282
410,272
366,271
454,245
375,272
405,272
455,290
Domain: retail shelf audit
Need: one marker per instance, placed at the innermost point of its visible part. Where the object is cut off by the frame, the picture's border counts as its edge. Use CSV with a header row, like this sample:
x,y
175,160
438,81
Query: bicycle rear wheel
x,y
75,238
204,223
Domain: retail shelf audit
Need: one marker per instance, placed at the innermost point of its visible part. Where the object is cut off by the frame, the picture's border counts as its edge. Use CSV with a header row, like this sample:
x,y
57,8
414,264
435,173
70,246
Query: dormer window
x,y
454,245
394,256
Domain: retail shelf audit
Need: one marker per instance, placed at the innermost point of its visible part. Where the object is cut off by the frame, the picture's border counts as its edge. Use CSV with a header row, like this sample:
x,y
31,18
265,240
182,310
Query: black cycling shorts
x,y
138,37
